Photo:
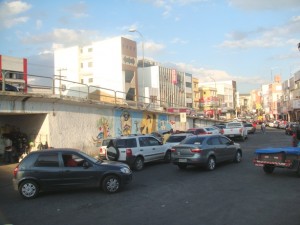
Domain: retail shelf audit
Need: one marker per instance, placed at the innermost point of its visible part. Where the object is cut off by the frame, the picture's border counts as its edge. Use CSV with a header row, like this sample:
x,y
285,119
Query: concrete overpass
x,y
64,121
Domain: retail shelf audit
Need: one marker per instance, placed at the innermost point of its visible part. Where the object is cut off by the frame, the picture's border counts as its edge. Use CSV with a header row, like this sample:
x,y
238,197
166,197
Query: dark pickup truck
x,y
285,157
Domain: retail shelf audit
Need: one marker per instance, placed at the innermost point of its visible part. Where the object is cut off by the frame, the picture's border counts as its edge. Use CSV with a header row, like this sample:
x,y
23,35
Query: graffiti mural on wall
x,y
104,125
126,123
133,122
164,123
148,123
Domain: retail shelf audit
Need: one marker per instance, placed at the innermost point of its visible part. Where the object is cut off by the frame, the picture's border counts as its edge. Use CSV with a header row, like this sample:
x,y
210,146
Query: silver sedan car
x,y
205,150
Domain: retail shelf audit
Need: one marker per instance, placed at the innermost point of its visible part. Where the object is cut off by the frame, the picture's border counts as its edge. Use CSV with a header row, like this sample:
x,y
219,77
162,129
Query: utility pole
x,y
60,76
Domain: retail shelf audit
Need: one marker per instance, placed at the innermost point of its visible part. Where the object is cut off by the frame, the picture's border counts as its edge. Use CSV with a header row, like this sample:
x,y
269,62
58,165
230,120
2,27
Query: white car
x,y
212,130
135,150
175,139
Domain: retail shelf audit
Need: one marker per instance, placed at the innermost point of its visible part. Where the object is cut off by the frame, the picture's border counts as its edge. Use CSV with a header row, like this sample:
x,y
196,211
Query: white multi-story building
x,y
110,64
168,87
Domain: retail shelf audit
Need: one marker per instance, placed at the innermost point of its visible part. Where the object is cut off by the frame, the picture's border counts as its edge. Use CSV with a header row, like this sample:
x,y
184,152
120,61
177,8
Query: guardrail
x,y
62,87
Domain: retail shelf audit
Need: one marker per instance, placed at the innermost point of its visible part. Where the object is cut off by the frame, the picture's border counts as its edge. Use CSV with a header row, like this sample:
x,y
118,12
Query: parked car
x,y
9,87
235,130
291,127
213,130
205,150
175,139
250,128
220,125
103,148
135,150
67,168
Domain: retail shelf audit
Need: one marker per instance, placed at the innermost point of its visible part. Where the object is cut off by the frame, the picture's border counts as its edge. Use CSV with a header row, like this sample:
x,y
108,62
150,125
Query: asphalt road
x,y
233,194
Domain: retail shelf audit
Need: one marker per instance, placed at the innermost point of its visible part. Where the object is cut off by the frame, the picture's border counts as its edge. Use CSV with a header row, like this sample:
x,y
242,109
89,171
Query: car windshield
x,y
173,139
193,140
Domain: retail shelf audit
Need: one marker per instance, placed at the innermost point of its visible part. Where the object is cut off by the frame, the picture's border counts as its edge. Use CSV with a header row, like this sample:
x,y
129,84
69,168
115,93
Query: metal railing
x,y
66,88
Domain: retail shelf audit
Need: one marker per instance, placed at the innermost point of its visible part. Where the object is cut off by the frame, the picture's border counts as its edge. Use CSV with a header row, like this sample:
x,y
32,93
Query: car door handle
x,y
141,150
153,148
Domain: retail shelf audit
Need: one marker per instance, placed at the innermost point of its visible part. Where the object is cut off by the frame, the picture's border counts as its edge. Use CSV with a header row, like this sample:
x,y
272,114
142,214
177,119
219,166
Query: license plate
x,y
231,135
182,160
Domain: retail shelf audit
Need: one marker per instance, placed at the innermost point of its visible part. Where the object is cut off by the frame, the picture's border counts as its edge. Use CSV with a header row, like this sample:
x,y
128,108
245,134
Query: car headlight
x,y
125,170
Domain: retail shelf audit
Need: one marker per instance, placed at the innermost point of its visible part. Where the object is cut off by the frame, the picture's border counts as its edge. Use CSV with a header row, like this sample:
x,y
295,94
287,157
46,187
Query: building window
x,y
90,64
90,50
81,65
90,80
81,81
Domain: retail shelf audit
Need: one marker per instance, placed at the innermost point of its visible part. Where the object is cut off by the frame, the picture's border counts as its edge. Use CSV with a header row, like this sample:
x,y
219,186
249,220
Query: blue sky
x,y
244,40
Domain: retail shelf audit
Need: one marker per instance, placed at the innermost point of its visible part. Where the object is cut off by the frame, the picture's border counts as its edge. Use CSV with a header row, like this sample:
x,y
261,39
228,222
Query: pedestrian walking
x,y
263,127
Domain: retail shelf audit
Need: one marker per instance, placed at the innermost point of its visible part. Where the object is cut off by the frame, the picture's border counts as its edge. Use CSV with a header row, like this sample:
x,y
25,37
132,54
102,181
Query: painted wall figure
x,y
148,123
126,123
104,127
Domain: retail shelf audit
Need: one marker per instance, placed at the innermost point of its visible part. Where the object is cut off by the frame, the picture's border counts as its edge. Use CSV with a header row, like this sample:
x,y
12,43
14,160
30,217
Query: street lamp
x,y
143,52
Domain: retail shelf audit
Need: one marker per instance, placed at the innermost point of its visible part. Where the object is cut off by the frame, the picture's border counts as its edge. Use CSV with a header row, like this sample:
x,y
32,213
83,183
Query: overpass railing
x,y
62,87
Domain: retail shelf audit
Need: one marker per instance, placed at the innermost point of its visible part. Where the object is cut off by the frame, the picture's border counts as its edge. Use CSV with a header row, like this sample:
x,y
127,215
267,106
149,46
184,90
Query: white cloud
x,y
152,47
78,10
10,13
168,5
265,4
38,24
178,41
204,75
264,37
62,37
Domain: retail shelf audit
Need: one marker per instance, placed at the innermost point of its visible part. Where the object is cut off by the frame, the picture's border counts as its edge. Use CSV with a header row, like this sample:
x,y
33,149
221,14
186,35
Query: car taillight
x,y
173,150
196,150
101,150
221,131
16,170
208,132
241,130
128,152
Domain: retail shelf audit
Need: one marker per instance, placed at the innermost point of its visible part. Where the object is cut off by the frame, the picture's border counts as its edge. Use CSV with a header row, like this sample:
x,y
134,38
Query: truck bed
x,y
287,157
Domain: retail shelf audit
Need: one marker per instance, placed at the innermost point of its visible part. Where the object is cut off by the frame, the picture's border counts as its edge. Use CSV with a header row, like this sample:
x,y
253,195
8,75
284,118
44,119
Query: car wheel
x,y
112,153
111,184
182,166
167,157
29,189
238,157
211,163
138,164
268,169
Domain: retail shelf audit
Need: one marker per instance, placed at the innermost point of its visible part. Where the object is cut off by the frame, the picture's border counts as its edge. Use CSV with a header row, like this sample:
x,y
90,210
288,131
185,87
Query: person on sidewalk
x,y
8,149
